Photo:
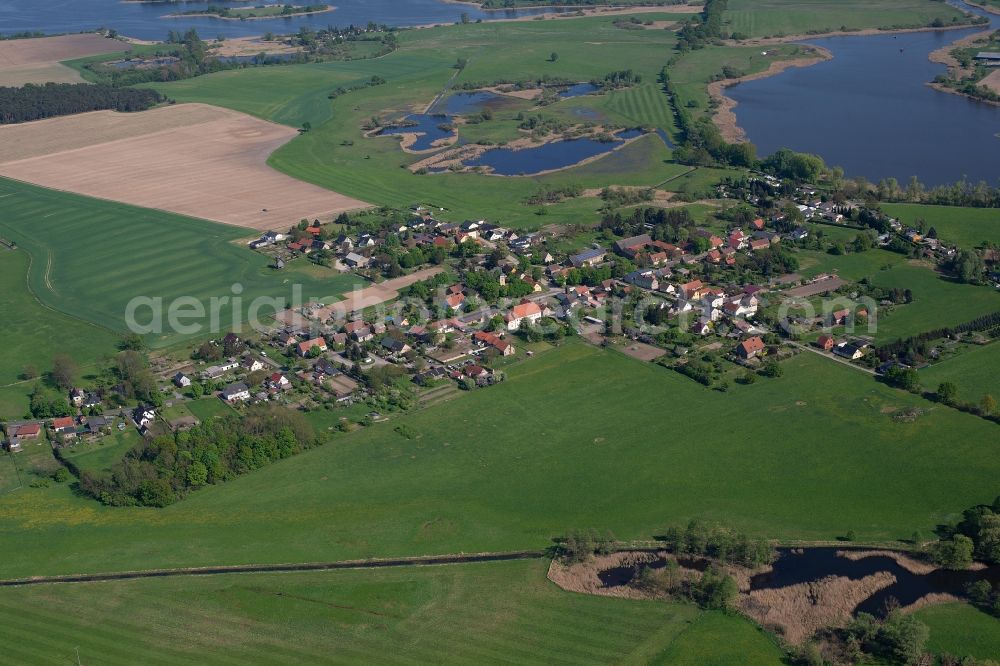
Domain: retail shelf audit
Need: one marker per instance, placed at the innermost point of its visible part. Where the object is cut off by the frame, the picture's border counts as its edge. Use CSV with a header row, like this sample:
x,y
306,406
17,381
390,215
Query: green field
x,y
961,630
576,438
965,227
762,18
456,614
336,155
852,267
33,333
91,257
99,456
937,301
975,372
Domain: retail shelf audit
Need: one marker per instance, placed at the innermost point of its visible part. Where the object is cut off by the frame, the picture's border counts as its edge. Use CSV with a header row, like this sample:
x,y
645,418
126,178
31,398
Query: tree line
x,y
34,102
163,470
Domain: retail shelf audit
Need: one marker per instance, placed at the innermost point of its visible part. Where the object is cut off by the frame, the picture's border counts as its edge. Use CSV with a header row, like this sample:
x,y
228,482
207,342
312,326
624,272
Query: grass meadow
x,y
965,227
460,614
765,18
91,257
975,372
577,437
961,630
937,301
336,155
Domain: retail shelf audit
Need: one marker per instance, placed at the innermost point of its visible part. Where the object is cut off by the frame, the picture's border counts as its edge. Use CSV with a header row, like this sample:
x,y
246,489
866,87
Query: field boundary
x,y
423,560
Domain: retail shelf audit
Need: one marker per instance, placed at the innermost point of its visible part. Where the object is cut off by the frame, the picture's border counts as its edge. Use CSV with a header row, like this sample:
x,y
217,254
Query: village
x,y
718,304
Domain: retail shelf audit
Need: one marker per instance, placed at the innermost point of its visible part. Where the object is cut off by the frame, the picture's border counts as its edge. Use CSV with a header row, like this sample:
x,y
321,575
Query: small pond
x,y
578,90
428,127
549,156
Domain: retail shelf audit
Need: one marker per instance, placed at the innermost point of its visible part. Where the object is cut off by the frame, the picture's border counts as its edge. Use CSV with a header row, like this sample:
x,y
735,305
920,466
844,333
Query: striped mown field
x,y
91,257
461,614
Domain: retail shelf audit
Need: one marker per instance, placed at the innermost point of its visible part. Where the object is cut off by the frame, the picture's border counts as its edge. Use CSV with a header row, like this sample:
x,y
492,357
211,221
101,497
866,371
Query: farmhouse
x,y
355,260
494,341
28,431
631,246
528,311
848,351
181,380
251,364
825,342
588,258
309,345
750,347
278,381
143,416
64,425
692,290
238,392
216,371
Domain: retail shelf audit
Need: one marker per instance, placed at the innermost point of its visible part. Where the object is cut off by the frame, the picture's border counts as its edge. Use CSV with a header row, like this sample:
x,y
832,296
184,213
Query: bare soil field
x,y
37,60
642,351
359,299
820,287
191,159
992,81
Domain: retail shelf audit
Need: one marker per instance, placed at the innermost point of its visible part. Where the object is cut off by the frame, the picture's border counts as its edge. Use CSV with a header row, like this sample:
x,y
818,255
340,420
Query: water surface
x,y
870,111
549,156
143,19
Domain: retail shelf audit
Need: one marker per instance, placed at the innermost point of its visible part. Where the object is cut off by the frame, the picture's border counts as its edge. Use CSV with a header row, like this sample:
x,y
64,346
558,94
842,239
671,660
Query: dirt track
x,y
192,159
37,60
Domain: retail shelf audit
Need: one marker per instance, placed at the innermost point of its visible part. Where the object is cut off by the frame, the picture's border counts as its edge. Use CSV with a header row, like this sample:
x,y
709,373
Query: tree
x,y
29,372
953,554
197,474
63,371
553,57
947,392
988,405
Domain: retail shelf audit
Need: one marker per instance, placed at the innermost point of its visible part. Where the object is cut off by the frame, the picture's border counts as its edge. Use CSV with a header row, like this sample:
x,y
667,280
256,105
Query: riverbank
x,y
249,18
725,115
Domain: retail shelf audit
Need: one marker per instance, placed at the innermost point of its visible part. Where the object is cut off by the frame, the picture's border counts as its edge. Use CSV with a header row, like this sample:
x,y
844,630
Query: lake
x,y
870,111
143,19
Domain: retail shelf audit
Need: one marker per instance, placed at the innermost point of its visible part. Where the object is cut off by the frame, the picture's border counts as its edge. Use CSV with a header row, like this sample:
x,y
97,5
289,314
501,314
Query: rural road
x,y
427,560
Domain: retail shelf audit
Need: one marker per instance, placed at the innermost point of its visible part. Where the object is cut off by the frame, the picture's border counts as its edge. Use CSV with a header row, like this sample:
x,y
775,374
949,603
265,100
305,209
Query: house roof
x,y
28,429
751,345
62,422
309,344
524,310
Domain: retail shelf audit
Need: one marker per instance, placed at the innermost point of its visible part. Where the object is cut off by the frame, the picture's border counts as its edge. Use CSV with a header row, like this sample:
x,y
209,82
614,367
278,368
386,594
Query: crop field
x,y
91,257
336,155
38,60
961,630
461,614
577,437
766,18
975,371
937,301
209,163
965,227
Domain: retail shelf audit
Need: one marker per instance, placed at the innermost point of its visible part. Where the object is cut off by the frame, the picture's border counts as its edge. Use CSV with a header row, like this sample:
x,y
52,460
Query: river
x,y
870,111
144,20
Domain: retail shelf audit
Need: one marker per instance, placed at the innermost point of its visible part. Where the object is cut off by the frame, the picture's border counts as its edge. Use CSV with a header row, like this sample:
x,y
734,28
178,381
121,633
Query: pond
x,y
549,156
578,90
804,565
144,19
870,111
428,126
